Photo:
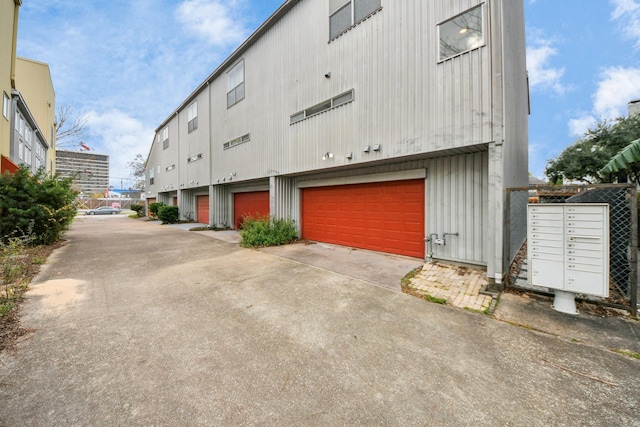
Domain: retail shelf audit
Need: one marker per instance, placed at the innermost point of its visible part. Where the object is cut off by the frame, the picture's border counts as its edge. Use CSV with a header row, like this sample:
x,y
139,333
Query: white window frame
x,y
235,84
165,138
192,117
6,105
350,7
464,39
329,104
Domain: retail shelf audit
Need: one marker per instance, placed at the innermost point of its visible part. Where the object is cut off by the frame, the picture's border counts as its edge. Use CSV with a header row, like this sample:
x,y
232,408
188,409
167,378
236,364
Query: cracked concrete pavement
x,y
137,323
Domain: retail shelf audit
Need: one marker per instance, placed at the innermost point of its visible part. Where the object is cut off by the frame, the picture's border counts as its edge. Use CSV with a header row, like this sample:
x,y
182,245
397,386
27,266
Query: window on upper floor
x,y
336,101
346,14
461,33
235,84
5,105
165,138
192,117
237,141
151,176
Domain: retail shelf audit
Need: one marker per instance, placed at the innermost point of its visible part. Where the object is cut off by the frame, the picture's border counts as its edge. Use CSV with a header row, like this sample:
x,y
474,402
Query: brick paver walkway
x,y
459,286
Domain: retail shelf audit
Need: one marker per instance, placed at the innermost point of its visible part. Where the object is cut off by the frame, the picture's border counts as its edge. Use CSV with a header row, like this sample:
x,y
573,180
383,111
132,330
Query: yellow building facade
x,y
33,81
27,124
8,39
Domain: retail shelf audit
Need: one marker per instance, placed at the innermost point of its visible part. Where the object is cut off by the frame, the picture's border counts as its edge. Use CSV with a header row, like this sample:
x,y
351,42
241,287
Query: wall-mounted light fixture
x,y
327,155
350,155
327,75
366,148
376,147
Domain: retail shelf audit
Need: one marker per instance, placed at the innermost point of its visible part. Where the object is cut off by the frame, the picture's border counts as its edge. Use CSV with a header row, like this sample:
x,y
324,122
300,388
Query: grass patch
x,y
208,228
435,299
627,353
19,264
406,280
6,308
473,310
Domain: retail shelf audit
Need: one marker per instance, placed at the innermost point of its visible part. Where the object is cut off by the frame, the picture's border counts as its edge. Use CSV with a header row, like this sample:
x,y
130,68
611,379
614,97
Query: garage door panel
x,y
253,204
202,203
386,217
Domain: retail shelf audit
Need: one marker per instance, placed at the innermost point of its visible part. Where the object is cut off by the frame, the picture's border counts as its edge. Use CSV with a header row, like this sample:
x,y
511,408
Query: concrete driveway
x,y
137,323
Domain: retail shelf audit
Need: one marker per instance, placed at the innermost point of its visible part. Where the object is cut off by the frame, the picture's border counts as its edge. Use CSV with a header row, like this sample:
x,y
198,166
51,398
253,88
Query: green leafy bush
x,y
138,209
39,203
154,208
263,231
168,214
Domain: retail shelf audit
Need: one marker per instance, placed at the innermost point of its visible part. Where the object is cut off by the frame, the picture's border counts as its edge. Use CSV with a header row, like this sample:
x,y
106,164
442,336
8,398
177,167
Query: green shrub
x,y
168,214
154,207
139,210
39,203
263,231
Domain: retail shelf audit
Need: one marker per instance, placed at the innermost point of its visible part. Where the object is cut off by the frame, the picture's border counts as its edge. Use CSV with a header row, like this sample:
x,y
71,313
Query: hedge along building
x,y
370,123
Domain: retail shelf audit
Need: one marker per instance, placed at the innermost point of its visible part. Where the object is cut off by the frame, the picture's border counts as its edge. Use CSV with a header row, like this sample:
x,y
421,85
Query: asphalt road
x,y
137,323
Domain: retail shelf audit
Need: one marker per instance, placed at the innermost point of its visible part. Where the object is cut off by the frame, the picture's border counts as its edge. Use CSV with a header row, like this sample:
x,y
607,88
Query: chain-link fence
x,y
623,229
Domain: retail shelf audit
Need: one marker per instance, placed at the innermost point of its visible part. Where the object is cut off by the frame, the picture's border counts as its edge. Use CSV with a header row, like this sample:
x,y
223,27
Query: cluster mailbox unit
x,y
568,250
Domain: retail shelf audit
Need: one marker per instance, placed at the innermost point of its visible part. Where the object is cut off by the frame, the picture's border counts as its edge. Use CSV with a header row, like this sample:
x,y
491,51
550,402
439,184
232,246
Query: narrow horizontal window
x,y
342,99
194,158
461,34
317,108
237,141
334,102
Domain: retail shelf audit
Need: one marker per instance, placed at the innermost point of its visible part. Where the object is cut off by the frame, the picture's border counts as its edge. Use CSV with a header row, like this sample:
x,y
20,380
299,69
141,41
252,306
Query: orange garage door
x,y
203,209
384,216
254,204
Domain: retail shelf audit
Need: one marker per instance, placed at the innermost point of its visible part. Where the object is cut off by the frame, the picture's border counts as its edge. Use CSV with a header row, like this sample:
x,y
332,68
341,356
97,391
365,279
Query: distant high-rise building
x,y
90,171
634,107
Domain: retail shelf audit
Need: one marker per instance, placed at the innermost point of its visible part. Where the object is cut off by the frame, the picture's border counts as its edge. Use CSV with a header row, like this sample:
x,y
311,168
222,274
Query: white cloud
x,y
213,20
617,86
542,74
627,12
579,125
122,137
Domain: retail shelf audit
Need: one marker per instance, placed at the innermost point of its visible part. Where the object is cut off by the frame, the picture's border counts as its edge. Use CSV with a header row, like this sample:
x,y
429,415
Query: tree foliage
x,y
168,214
582,160
38,205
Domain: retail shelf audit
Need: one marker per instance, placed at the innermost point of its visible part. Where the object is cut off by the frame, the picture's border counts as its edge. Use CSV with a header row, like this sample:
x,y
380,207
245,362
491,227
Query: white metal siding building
x,y
354,118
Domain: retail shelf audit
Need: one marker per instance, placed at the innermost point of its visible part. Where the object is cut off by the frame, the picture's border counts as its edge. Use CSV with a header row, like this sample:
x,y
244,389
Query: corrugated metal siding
x,y
187,204
408,103
220,202
284,198
457,203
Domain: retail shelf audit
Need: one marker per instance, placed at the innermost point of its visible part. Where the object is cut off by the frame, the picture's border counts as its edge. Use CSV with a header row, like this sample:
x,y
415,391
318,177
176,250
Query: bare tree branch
x,y
70,130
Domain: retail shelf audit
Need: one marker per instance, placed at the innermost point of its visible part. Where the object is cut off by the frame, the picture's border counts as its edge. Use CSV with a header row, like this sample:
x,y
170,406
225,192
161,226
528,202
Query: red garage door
x,y
203,209
385,216
254,204
149,201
